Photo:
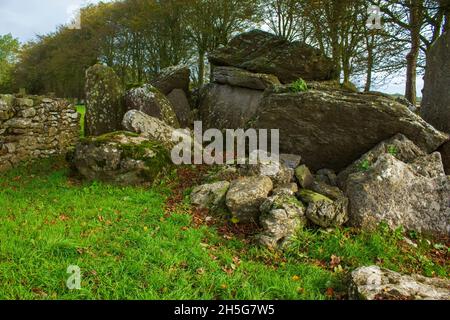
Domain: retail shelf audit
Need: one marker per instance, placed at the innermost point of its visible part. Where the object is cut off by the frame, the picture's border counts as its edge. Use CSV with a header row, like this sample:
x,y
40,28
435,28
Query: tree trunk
x,y
369,63
201,68
413,55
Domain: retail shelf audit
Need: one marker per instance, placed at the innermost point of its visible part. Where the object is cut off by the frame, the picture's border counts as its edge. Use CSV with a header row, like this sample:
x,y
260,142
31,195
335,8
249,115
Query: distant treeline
x,y
140,37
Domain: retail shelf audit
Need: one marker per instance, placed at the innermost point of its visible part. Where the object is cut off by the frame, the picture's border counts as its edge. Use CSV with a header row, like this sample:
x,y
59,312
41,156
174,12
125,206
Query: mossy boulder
x,y
121,158
104,101
152,102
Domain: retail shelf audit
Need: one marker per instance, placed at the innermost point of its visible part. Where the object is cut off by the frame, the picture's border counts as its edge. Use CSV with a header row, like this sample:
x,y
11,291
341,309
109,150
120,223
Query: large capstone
x,y
152,102
171,78
241,78
120,158
331,128
262,52
104,101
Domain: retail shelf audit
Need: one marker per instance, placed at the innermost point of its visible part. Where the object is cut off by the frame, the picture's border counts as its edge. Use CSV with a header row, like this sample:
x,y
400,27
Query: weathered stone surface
x,y
415,196
210,196
35,127
399,146
104,101
274,169
152,102
292,161
326,176
332,128
262,52
323,210
375,283
288,189
181,107
445,152
281,216
436,94
155,129
246,196
120,158
171,78
227,107
304,176
241,78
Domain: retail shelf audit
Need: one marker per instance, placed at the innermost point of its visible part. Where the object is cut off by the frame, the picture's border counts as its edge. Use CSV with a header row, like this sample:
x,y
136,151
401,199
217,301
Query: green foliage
x,y
129,247
299,85
393,150
364,165
9,48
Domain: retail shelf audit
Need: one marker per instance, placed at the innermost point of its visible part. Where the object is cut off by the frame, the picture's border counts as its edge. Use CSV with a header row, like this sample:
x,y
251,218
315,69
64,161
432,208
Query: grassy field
x,y
146,243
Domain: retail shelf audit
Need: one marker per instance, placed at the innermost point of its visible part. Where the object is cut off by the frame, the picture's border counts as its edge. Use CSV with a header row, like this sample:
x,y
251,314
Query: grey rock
x,y
288,189
120,158
445,152
227,107
241,78
171,78
399,146
436,94
181,107
152,102
246,196
332,128
375,283
262,52
291,161
415,196
156,130
326,176
304,176
210,196
324,211
281,216
104,101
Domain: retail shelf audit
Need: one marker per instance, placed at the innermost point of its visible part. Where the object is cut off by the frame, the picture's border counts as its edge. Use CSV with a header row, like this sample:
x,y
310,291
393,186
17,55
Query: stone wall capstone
x,y
35,127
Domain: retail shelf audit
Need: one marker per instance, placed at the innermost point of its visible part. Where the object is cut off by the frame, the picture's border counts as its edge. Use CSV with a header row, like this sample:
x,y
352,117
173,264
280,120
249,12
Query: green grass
x,y
81,109
129,247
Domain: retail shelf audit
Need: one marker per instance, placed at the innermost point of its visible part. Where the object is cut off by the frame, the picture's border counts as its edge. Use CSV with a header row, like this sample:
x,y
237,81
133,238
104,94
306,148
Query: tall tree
x,y
9,48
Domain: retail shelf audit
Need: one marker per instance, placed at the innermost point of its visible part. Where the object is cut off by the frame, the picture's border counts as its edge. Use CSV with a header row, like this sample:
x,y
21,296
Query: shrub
x,y
299,85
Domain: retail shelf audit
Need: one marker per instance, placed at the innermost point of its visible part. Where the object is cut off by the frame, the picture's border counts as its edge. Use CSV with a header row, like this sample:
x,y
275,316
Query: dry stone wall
x,y
35,127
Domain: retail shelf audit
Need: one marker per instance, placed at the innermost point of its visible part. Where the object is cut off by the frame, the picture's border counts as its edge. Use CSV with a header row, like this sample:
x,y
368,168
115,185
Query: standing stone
x,y
436,93
104,101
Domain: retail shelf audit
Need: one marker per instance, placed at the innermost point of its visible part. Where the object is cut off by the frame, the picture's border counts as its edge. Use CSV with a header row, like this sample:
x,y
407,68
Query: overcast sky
x,y
26,18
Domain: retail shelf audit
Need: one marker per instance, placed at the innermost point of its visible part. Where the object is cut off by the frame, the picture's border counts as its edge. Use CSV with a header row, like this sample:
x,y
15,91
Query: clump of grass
x,y
299,85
